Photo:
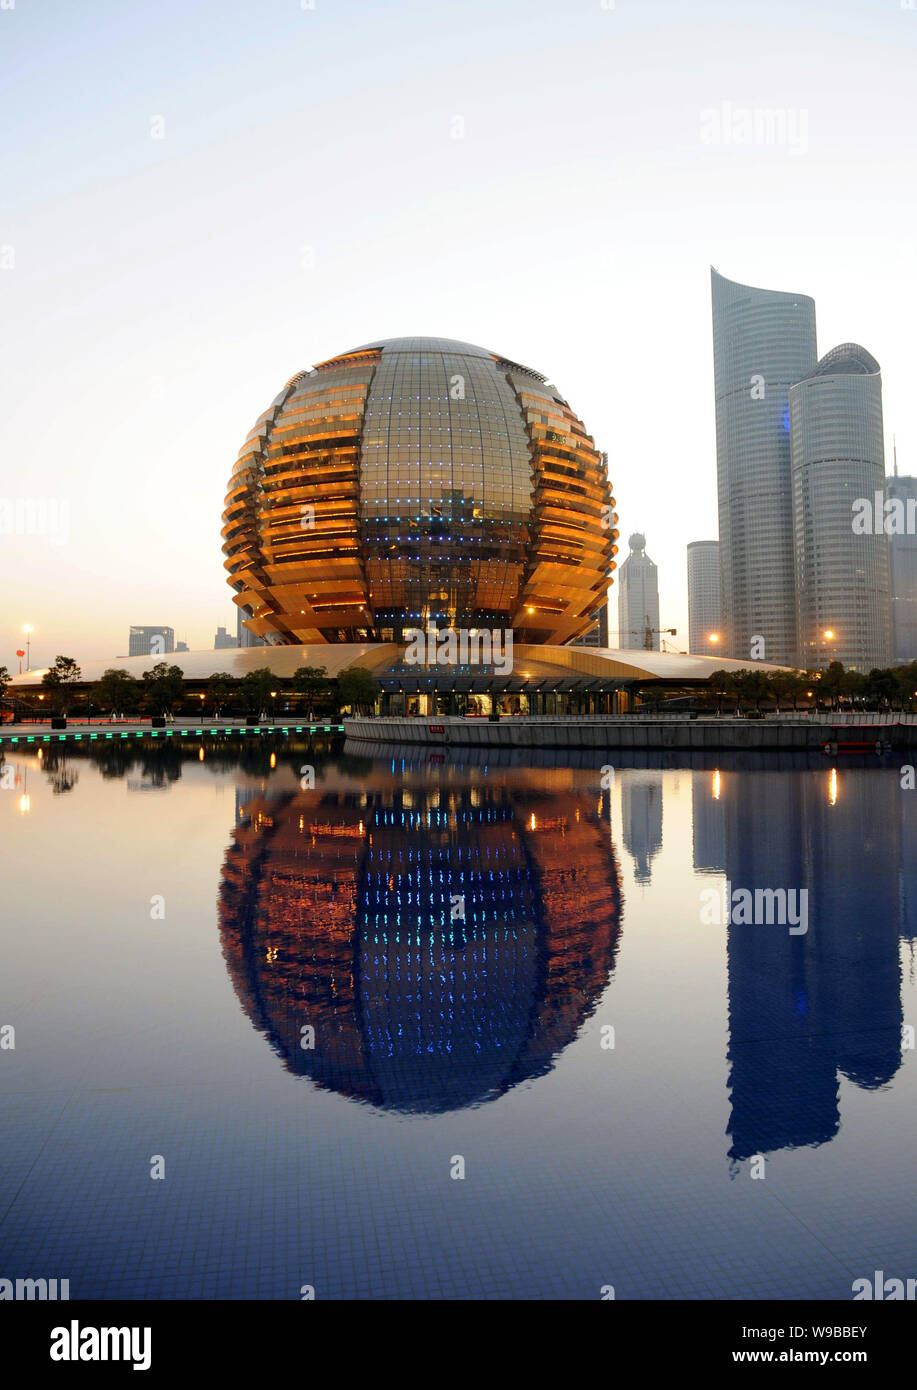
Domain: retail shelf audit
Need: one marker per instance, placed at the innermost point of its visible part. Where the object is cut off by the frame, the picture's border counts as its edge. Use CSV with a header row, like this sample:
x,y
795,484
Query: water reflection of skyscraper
x,y
641,816
804,1008
445,942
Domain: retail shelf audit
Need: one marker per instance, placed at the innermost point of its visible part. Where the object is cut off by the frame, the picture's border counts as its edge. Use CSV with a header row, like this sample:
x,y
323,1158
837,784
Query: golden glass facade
x,y
417,482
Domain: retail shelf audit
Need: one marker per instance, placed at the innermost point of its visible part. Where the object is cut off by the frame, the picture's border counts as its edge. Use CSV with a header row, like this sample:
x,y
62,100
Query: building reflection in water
x,y
444,936
807,1009
641,818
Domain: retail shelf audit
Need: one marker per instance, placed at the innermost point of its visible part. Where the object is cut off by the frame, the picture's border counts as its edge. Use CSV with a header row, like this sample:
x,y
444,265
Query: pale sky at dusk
x,y
308,196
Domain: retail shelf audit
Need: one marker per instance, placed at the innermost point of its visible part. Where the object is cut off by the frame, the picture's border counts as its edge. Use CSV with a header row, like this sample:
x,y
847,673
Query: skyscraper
x,y
763,341
638,598
902,551
151,641
705,612
843,608
224,640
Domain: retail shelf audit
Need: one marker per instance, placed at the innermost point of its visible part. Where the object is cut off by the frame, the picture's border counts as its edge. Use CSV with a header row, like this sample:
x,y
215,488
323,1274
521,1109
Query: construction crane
x,y
651,632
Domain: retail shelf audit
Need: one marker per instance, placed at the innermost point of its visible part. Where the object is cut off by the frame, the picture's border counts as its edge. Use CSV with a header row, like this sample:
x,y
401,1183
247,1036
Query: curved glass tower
x,y
843,598
763,341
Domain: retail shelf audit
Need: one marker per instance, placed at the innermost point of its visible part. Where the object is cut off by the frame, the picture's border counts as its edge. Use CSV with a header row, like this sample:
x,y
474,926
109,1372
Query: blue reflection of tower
x,y
802,1008
708,821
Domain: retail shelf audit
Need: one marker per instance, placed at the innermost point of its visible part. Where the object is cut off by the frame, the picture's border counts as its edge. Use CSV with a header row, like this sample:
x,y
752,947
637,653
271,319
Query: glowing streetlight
x,y
714,638
829,634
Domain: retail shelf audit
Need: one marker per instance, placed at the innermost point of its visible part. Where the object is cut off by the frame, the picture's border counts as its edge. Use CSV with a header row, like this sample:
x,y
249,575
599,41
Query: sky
x,y
199,201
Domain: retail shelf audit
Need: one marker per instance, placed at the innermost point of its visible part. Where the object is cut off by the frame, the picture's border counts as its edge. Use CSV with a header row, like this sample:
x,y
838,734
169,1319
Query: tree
x,y
787,685
906,677
59,680
357,688
310,681
163,687
722,683
220,687
832,682
116,691
881,687
4,681
256,687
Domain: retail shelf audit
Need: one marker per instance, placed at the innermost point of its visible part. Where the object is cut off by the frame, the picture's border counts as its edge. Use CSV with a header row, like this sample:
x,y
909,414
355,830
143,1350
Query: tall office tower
x,y
224,640
151,641
843,602
902,551
705,611
763,341
181,646
638,598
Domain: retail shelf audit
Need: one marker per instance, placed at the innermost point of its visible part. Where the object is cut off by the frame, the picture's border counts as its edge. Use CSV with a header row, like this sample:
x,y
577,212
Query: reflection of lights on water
x,y
273,760
25,804
832,787
200,755
717,785
361,827
532,822
41,754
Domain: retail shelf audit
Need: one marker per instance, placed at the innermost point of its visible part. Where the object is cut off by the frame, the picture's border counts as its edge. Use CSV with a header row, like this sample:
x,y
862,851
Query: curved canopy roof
x,y
385,660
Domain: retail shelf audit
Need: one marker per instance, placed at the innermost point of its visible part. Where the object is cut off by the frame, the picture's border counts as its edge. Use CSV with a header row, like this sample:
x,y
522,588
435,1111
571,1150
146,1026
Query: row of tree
x,y
163,690
893,687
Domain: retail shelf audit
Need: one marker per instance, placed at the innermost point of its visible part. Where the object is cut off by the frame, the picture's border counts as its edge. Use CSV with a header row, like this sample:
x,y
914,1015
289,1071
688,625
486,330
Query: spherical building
x,y
418,482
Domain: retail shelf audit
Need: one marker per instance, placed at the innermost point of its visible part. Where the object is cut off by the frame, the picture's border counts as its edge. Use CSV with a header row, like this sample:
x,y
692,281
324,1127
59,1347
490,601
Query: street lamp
x,y
714,637
28,629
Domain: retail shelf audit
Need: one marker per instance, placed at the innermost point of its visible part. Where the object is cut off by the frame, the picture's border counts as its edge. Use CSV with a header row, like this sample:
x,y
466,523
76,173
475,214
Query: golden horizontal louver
x,y
418,481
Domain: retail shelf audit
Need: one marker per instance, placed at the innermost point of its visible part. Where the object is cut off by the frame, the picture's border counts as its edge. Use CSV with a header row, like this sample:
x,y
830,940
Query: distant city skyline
x,y
151,307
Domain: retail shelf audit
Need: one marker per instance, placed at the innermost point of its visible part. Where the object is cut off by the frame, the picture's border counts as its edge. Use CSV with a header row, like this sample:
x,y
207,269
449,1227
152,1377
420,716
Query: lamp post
x,y
28,629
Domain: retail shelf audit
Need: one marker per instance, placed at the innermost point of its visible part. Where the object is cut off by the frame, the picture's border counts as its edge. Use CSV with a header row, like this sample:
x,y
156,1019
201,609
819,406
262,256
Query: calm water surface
x,y
310,1006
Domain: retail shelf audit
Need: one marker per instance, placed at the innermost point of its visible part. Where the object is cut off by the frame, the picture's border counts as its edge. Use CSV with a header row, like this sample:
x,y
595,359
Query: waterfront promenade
x,y
98,731
825,731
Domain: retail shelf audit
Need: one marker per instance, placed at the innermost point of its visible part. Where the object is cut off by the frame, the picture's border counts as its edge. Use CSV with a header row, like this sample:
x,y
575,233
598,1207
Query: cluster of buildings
x,y
160,640
816,559
813,563
468,494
